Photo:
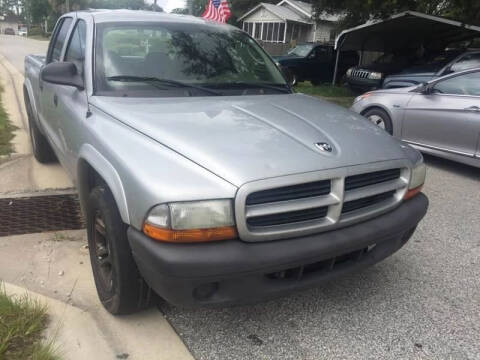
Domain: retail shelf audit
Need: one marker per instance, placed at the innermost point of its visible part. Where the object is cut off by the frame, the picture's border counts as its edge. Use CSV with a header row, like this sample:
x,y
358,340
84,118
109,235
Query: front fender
x,y
106,170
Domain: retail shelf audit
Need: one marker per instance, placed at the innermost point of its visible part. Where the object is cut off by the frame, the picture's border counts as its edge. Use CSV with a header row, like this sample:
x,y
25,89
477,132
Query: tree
x,y
38,10
356,12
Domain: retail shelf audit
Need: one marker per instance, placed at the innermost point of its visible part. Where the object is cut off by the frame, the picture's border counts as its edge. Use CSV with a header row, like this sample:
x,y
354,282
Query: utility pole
x,y
155,5
67,3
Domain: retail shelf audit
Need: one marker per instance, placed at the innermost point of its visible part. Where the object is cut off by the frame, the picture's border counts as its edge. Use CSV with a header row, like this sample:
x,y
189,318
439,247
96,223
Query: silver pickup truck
x,y
202,177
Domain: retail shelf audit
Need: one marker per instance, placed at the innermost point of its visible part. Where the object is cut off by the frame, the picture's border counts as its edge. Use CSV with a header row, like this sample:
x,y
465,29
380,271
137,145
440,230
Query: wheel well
x,y
87,179
372,108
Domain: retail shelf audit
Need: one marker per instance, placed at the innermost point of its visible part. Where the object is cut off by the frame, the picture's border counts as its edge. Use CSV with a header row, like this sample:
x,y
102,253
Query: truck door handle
x,y
55,99
473,108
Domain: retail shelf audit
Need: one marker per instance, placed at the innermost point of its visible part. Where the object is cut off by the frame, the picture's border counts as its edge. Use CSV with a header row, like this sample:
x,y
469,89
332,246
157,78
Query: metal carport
x,y
406,30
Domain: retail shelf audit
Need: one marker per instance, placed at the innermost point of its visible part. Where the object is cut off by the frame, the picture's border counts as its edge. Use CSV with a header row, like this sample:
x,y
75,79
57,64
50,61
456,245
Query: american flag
x,y
217,10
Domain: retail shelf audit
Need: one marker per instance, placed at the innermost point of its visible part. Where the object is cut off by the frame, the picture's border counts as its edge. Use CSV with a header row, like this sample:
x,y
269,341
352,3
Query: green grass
x,y
6,130
22,322
337,94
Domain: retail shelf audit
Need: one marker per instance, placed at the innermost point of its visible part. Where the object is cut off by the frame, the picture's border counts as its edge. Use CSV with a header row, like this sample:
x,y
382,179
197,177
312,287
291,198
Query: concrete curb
x,y
74,332
55,269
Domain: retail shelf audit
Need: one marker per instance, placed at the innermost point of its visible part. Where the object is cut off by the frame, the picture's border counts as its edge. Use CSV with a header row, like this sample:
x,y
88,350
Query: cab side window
x,y
59,40
76,48
467,84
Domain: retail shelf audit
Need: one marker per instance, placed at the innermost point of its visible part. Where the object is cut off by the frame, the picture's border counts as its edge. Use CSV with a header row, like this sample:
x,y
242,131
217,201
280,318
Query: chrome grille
x,y
285,193
363,74
305,204
353,205
288,217
361,180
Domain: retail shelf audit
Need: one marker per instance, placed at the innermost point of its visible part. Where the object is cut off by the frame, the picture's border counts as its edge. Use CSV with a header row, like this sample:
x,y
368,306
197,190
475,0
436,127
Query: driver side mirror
x,y
425,89
62,73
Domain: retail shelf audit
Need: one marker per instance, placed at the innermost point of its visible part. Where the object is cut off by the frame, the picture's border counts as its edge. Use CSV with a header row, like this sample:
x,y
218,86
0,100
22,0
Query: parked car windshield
x,y
432,62
178,59
301,50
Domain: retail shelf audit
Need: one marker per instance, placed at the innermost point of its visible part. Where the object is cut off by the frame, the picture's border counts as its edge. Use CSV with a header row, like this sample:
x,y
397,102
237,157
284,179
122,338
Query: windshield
x,y
178,59
301,50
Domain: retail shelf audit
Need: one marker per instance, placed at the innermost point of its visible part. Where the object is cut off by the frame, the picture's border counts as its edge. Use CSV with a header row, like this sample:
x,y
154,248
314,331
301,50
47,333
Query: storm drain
x,y
37,214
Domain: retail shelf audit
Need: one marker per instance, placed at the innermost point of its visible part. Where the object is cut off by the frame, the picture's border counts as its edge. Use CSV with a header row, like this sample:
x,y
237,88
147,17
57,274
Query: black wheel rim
x,y
102,252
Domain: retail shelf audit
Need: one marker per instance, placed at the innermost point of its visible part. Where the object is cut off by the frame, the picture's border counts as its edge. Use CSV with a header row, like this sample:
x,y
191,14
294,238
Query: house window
x,y
267,31
281,32
258,30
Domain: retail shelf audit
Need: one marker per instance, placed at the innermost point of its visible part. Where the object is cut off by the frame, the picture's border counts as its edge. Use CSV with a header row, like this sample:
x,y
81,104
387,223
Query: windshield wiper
x,y
158,81
281,88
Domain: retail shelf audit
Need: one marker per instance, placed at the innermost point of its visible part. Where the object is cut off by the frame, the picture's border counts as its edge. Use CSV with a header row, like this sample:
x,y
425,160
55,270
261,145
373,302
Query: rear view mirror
x,y
62,73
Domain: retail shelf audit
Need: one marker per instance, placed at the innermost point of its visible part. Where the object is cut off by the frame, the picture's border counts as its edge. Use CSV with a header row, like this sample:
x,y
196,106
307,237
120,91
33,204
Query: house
x,y
9,22
289,22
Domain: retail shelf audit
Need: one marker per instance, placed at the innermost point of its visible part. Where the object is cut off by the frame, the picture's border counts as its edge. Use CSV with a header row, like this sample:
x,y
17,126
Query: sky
x,y
169,5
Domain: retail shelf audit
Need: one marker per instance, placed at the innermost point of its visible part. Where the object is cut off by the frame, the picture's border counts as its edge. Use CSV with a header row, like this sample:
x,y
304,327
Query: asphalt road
x,y
421,303
15,48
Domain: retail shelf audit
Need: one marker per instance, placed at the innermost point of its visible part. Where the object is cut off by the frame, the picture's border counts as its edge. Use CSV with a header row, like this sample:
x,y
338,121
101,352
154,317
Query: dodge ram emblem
x,y
324,146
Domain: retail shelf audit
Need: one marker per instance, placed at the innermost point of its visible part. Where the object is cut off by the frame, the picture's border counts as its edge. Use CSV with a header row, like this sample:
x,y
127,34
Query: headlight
x,y
417,179
362,97
349,72
196,221
375,75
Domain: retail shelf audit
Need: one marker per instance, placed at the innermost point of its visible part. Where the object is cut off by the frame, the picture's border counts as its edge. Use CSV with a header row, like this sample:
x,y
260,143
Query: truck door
x,y
49,92
72,104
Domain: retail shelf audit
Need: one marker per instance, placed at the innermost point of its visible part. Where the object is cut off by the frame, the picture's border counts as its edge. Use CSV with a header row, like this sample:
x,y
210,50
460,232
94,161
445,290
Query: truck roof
x,y
107,15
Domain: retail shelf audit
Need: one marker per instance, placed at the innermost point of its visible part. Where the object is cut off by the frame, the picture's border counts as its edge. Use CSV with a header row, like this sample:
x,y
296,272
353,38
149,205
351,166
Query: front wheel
x,y
380,118
119,284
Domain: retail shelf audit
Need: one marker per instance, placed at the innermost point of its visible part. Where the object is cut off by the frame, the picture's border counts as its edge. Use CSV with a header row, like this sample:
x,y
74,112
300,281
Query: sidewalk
x,y
21,173
56,266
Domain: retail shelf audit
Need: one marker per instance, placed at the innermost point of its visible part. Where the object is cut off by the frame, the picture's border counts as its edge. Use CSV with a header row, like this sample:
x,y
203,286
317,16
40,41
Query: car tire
x,y
293,78
120,286
380,118
42,151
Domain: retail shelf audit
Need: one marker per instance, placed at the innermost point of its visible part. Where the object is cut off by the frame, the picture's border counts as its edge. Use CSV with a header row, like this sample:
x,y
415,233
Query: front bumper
x,y
364,84
234,272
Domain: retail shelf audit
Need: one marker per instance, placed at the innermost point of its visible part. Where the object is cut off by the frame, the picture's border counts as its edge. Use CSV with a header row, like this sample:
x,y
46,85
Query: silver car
x,y
441,117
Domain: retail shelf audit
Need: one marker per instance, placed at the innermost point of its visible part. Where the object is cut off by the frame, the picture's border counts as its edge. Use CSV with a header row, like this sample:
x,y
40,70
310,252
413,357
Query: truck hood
x,y
247,138
281,58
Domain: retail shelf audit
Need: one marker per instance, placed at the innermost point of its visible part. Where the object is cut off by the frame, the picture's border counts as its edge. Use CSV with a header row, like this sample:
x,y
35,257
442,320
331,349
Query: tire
x,y
42,151
120,286
380,118
293,78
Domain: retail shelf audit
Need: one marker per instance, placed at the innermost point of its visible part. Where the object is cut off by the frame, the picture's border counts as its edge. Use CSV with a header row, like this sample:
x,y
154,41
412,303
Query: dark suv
x,y
435,65
370,77
314,62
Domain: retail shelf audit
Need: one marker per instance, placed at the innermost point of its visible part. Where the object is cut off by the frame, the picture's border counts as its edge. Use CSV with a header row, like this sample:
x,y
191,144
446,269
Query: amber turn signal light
x,y
413,192
190,236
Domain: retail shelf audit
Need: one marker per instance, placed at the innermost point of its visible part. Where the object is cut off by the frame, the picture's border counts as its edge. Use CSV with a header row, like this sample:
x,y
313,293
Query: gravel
x,y
421,303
